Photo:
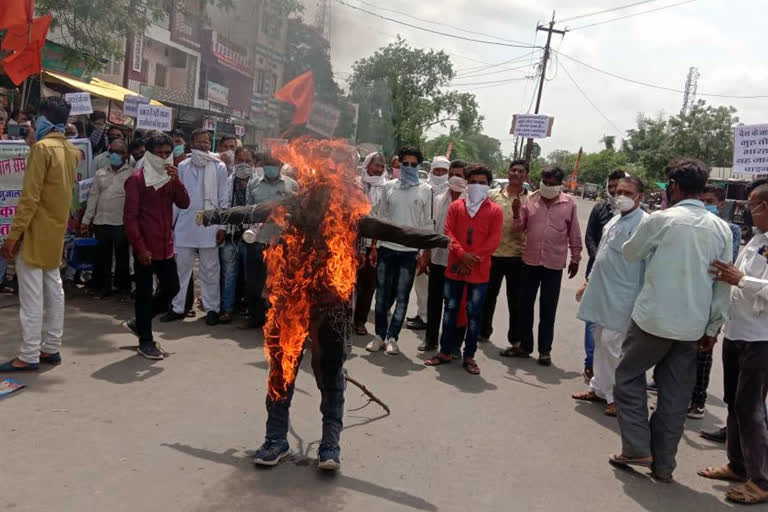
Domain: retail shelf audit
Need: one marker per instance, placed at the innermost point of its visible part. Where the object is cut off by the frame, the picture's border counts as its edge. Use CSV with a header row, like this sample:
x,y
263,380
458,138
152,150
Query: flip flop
x,y
621,460
747,494
587,396
723,472
437,361
9,368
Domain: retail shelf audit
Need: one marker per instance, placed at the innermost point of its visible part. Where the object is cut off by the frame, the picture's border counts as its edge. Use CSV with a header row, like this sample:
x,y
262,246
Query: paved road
x,y
108,430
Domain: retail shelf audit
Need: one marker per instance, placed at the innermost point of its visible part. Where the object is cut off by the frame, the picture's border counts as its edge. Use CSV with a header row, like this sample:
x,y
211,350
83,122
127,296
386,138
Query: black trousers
x,y
148,305
509,268
435,304
366,288
533,278
745,372
703,369
112,242
255,279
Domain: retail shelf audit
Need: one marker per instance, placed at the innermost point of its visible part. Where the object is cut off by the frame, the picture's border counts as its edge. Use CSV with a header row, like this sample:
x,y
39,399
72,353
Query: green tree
x,y
609,141
649,145
400,93
705,132
472,147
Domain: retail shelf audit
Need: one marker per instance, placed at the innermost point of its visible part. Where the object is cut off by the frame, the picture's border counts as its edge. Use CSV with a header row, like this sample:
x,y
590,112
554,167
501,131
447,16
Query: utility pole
x,y
549,30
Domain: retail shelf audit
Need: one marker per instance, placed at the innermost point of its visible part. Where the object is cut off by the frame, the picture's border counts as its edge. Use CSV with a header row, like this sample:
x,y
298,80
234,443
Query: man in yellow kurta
x,y
36,238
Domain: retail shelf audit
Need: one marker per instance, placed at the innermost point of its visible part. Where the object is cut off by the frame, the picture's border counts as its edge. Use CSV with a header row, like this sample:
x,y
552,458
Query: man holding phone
x,y
150,194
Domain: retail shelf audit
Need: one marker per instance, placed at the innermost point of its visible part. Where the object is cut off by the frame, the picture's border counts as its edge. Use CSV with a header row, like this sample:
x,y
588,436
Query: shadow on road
x,y
395,366
129,370
654,496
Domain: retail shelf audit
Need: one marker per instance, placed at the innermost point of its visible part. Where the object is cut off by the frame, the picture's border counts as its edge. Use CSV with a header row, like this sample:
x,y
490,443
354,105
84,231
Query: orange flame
x,y
316,259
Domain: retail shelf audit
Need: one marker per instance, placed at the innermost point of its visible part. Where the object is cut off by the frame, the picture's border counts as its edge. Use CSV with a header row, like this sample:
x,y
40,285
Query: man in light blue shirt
x,y
679,309
205,177
611,292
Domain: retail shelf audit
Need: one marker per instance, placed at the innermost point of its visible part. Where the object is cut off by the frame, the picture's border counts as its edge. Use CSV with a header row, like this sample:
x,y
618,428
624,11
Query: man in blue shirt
x,y
679,309
612,288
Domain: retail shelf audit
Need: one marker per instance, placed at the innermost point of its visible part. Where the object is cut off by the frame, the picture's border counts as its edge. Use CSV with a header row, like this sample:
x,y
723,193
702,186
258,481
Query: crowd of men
x,y
660,287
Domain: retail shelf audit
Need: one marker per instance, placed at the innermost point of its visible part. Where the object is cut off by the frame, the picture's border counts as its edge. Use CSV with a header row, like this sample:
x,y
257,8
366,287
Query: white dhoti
x,y
41,310
210,277
421,285
607,355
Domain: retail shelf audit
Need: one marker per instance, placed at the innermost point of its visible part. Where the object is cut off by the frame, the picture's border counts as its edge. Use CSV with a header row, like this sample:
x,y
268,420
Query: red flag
x,y
16,12
299,92
18,36
24,63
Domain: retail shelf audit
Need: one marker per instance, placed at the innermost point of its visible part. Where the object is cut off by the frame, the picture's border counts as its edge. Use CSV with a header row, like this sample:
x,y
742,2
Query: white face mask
x,y
201,158
242,170
258,172
476,194
457,184
438,182
624,203
549,191
374,181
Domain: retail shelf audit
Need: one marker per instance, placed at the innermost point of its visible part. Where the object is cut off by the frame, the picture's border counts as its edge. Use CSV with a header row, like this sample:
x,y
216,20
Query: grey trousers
x,y
675,375
745,367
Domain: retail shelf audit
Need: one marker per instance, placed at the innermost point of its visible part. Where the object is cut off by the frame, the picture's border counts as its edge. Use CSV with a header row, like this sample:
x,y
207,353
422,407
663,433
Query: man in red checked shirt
x,y
150,194
474,225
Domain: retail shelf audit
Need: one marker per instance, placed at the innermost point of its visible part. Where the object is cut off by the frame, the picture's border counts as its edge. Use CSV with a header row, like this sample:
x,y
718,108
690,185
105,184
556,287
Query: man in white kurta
x,y
205,177
611,292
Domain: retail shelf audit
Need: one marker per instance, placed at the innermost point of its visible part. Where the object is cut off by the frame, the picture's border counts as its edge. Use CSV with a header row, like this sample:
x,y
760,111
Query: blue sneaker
x,y
328,458
271,452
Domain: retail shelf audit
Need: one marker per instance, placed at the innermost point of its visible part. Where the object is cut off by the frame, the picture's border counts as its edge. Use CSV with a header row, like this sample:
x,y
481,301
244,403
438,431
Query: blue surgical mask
x,y
711,208
271,171
42,127
116,159
178,150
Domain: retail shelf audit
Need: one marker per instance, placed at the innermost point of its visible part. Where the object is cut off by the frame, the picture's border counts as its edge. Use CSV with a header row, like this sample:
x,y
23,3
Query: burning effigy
x,y
311,280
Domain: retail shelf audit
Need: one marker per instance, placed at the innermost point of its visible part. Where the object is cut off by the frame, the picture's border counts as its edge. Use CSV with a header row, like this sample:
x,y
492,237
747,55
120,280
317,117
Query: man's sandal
x,y
587,396
437,360
723,472
622,460
747,494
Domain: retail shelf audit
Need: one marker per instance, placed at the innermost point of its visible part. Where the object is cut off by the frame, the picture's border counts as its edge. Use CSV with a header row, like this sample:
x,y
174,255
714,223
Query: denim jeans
x,y
394,279
255,279
589,344
452,293
232,255
327,342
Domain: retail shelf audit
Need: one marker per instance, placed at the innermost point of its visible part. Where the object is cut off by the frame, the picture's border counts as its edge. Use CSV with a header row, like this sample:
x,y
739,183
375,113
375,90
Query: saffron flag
x,y
19,36
16,12
22,64
300,92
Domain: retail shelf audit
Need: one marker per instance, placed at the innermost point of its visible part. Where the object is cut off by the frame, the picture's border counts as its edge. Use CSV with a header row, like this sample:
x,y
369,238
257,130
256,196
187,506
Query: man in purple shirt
x,y
549,220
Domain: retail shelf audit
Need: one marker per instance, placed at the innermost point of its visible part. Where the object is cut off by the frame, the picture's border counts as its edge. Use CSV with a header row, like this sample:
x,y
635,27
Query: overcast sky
x,y
721,40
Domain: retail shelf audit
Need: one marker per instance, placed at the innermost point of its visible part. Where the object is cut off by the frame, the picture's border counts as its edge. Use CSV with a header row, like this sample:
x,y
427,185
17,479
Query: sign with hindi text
x,y
80,101
154,118
131,104
750,149
533,126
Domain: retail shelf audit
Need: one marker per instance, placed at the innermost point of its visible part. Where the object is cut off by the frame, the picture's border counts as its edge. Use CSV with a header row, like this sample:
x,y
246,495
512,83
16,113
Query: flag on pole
x,y
300,92
26,41
16,12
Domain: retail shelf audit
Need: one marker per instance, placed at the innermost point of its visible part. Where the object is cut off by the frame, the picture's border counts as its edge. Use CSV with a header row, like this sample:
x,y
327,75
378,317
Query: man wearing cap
x,y
438,180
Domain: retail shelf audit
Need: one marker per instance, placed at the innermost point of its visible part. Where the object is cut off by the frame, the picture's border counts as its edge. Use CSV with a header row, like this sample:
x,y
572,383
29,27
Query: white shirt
x,y
406,206
107,197
679,299
749,305
614,282
439,256
186,232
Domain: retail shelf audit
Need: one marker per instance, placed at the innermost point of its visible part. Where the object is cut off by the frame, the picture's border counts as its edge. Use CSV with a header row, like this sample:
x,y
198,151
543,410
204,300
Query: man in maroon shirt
x,y
474,226
150,193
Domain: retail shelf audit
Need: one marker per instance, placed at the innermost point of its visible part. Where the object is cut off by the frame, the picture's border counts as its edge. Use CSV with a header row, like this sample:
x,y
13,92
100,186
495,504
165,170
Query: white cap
x,y
440,162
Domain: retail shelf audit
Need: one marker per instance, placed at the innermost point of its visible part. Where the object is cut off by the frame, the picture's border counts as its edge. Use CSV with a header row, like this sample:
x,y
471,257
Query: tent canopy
x,y
97,87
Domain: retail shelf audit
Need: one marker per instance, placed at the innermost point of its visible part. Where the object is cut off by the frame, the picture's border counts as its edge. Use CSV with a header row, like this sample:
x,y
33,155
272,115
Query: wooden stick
x,y
371,396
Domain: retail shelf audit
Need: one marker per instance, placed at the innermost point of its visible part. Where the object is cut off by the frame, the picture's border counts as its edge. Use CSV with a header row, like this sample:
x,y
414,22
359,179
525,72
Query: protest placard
x,y
154,118
534,126
80,101
131,104
84,190
323,119
750,149
13,164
